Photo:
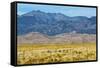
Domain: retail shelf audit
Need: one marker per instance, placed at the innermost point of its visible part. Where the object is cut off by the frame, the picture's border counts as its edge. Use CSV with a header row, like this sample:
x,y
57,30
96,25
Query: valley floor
x,y
54,53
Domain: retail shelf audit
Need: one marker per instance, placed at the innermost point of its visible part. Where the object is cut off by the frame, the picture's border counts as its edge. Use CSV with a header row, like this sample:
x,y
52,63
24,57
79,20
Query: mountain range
x,y
54,23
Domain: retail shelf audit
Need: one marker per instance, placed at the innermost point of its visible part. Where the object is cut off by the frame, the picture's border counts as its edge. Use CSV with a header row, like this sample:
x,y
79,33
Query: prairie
x,y
40,53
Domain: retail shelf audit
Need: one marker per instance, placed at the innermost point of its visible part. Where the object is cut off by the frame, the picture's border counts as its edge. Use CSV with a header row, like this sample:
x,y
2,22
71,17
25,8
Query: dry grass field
x,y
53,53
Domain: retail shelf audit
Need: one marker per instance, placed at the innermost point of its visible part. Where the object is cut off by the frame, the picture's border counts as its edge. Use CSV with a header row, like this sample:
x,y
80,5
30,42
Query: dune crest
x,y
35,37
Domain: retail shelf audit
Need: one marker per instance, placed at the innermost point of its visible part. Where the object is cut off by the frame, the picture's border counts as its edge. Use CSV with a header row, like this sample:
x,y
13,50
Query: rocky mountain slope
x,y
54,23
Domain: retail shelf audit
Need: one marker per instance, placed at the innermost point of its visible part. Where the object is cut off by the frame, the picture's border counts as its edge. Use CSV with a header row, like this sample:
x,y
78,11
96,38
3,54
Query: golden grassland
x,y
54,53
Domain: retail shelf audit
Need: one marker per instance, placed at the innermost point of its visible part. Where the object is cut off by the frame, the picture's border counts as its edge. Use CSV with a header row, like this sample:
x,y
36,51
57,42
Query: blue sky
x,y
67,10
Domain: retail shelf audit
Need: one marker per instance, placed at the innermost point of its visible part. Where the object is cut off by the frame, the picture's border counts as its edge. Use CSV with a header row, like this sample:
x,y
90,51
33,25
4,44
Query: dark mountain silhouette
x,y
54,23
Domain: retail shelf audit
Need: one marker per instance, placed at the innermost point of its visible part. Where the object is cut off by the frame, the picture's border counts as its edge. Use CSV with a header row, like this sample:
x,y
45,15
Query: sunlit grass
x,y
53,53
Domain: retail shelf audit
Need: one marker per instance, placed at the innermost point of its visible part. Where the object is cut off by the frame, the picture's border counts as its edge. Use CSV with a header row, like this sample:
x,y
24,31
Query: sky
x,y
66,10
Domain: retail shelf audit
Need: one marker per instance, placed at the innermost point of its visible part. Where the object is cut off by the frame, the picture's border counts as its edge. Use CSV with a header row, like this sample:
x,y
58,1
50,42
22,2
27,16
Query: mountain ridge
x,y
54,23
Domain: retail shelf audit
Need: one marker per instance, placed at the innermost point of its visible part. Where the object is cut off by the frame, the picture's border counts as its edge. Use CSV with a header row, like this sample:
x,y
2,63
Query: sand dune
x,y
35,37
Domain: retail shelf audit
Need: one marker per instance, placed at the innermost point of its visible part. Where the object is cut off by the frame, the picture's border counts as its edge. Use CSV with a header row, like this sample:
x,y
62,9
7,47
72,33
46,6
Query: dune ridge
x,y
35,37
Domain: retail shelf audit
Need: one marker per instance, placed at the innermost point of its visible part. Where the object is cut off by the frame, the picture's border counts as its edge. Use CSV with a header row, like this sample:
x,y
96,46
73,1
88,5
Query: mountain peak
x,y
55,23
33,12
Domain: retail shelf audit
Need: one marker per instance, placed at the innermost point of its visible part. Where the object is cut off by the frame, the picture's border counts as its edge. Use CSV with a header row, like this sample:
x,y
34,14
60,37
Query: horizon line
x,y
52,13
